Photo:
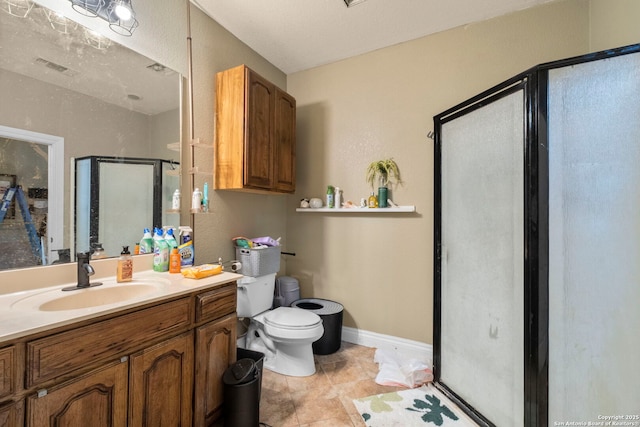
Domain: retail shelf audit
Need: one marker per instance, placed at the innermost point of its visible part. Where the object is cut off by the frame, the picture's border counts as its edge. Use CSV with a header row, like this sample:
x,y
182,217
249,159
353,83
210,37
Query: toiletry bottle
x,y
98,252
160,252
186,248
338,198
205,198
136,248
196,200
330,194
175,201
174,261
125,266
170,239
146,243
373,201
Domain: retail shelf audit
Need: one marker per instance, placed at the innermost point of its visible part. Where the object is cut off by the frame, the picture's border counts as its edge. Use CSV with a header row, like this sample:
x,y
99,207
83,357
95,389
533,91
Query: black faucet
x,y
85,270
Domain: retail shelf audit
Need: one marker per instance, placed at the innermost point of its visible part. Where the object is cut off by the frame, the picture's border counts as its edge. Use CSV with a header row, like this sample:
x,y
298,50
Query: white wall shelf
x,y
398,209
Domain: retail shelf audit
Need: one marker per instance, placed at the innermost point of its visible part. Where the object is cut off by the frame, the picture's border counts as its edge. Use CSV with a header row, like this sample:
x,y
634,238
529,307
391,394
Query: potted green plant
x,y
385,172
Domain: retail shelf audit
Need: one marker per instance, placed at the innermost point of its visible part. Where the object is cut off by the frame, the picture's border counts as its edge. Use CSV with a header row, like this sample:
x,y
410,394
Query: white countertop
x,y
20,316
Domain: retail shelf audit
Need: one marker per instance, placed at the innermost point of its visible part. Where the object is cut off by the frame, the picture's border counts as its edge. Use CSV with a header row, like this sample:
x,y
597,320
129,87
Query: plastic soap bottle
x,y
170,239
125,266
175,201
160,252
330,194
196,200
146,243
338,198
174,261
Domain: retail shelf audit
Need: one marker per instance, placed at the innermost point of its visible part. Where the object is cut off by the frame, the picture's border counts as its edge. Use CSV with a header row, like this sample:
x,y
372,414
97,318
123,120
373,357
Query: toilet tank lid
x,y
291,317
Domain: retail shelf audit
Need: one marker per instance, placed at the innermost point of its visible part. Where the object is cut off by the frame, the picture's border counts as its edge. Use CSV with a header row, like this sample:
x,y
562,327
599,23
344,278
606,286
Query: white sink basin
x,y
109,293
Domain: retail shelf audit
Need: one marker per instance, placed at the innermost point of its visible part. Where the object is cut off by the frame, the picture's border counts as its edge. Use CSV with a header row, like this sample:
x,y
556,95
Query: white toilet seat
x,y
291,324
291,318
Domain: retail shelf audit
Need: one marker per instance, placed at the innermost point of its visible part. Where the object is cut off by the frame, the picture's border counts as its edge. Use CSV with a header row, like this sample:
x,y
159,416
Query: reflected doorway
x,y
35,162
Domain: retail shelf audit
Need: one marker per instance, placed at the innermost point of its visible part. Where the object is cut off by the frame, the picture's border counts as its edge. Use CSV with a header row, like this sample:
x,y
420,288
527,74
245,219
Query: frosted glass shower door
x,y
482,259
125,204
594,241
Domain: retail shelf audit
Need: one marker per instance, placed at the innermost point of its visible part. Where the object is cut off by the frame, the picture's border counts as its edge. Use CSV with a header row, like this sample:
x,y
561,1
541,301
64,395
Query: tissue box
x,y
258,262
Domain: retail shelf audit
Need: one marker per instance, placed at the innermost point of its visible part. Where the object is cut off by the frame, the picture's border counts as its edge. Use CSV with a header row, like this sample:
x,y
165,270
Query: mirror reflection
x,y
68,95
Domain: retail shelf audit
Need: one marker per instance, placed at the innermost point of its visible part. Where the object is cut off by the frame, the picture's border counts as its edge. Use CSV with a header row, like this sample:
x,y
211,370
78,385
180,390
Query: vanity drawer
x,y
216,303
7,371
58,354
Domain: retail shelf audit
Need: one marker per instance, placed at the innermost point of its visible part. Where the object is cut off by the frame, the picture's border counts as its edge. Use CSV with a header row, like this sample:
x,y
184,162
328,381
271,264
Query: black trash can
x,y
331,314
242,383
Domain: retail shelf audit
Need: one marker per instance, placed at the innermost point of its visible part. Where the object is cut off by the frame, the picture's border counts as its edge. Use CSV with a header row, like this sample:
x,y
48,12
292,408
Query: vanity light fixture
x,y
118,13
59,22
96,40
19,8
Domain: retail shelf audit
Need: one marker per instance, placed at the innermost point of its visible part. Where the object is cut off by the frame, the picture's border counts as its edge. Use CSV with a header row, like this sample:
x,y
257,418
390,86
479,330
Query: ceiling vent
x,y
56,67
161,69
350,3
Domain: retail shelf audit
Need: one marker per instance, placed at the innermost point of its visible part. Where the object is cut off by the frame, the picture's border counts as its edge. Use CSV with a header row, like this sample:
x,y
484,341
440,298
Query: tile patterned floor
x,y
323,399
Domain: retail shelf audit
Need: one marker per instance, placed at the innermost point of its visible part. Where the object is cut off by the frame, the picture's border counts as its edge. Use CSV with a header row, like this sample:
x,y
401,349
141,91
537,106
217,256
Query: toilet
x,y
285,335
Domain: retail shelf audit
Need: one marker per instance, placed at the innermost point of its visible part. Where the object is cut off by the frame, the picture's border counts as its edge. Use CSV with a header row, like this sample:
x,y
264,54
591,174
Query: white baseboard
x,y
405,348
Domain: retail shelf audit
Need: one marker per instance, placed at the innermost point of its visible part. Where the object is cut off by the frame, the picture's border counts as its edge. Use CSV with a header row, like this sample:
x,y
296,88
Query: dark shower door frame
x,y
535,322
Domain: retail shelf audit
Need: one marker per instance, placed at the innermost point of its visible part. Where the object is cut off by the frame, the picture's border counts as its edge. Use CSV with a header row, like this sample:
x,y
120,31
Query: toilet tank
x,y
255,294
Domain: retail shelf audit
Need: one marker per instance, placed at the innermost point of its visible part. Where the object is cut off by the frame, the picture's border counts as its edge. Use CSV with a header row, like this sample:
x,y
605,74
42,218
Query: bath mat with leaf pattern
x,y
422,406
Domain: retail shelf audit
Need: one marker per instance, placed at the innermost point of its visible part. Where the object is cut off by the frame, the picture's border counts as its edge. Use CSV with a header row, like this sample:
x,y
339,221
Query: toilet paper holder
x,y
235,265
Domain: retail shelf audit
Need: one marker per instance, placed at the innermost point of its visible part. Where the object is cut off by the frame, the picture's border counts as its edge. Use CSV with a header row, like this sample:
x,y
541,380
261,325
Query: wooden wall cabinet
x,y
139,368
255,141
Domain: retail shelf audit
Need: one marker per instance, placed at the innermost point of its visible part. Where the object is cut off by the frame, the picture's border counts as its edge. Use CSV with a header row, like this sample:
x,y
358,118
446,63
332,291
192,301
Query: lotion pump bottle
x,y
125,266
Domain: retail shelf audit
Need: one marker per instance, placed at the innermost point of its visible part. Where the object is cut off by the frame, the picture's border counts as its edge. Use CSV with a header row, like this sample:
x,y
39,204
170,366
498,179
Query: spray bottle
x,y
160,252
186,249
146,243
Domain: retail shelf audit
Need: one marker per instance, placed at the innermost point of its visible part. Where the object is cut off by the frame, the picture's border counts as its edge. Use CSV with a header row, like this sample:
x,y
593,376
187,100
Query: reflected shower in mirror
x,y
68,93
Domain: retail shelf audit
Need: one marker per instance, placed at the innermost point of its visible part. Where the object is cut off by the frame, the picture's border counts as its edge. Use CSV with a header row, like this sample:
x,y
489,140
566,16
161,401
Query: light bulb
x,y
123,12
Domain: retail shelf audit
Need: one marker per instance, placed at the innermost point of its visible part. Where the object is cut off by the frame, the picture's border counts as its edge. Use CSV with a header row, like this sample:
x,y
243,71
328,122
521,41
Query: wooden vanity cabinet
x,y
160,364
7,371
98,399
255,141
161,384
216,342
12,414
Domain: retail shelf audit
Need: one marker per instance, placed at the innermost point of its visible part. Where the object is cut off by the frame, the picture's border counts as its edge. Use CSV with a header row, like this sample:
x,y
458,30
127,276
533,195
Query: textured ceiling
x,y
296,35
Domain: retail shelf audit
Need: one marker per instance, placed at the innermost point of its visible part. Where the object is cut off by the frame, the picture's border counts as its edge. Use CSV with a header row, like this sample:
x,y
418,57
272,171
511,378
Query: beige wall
x,y
614,23
232,214
381,105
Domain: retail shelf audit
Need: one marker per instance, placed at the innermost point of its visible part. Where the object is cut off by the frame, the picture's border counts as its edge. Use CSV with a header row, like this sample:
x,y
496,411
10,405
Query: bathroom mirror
x,y
68,93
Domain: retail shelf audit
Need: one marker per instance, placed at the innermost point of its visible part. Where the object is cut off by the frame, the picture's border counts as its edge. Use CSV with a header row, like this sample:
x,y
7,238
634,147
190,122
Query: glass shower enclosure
x,y
117,197
537,246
